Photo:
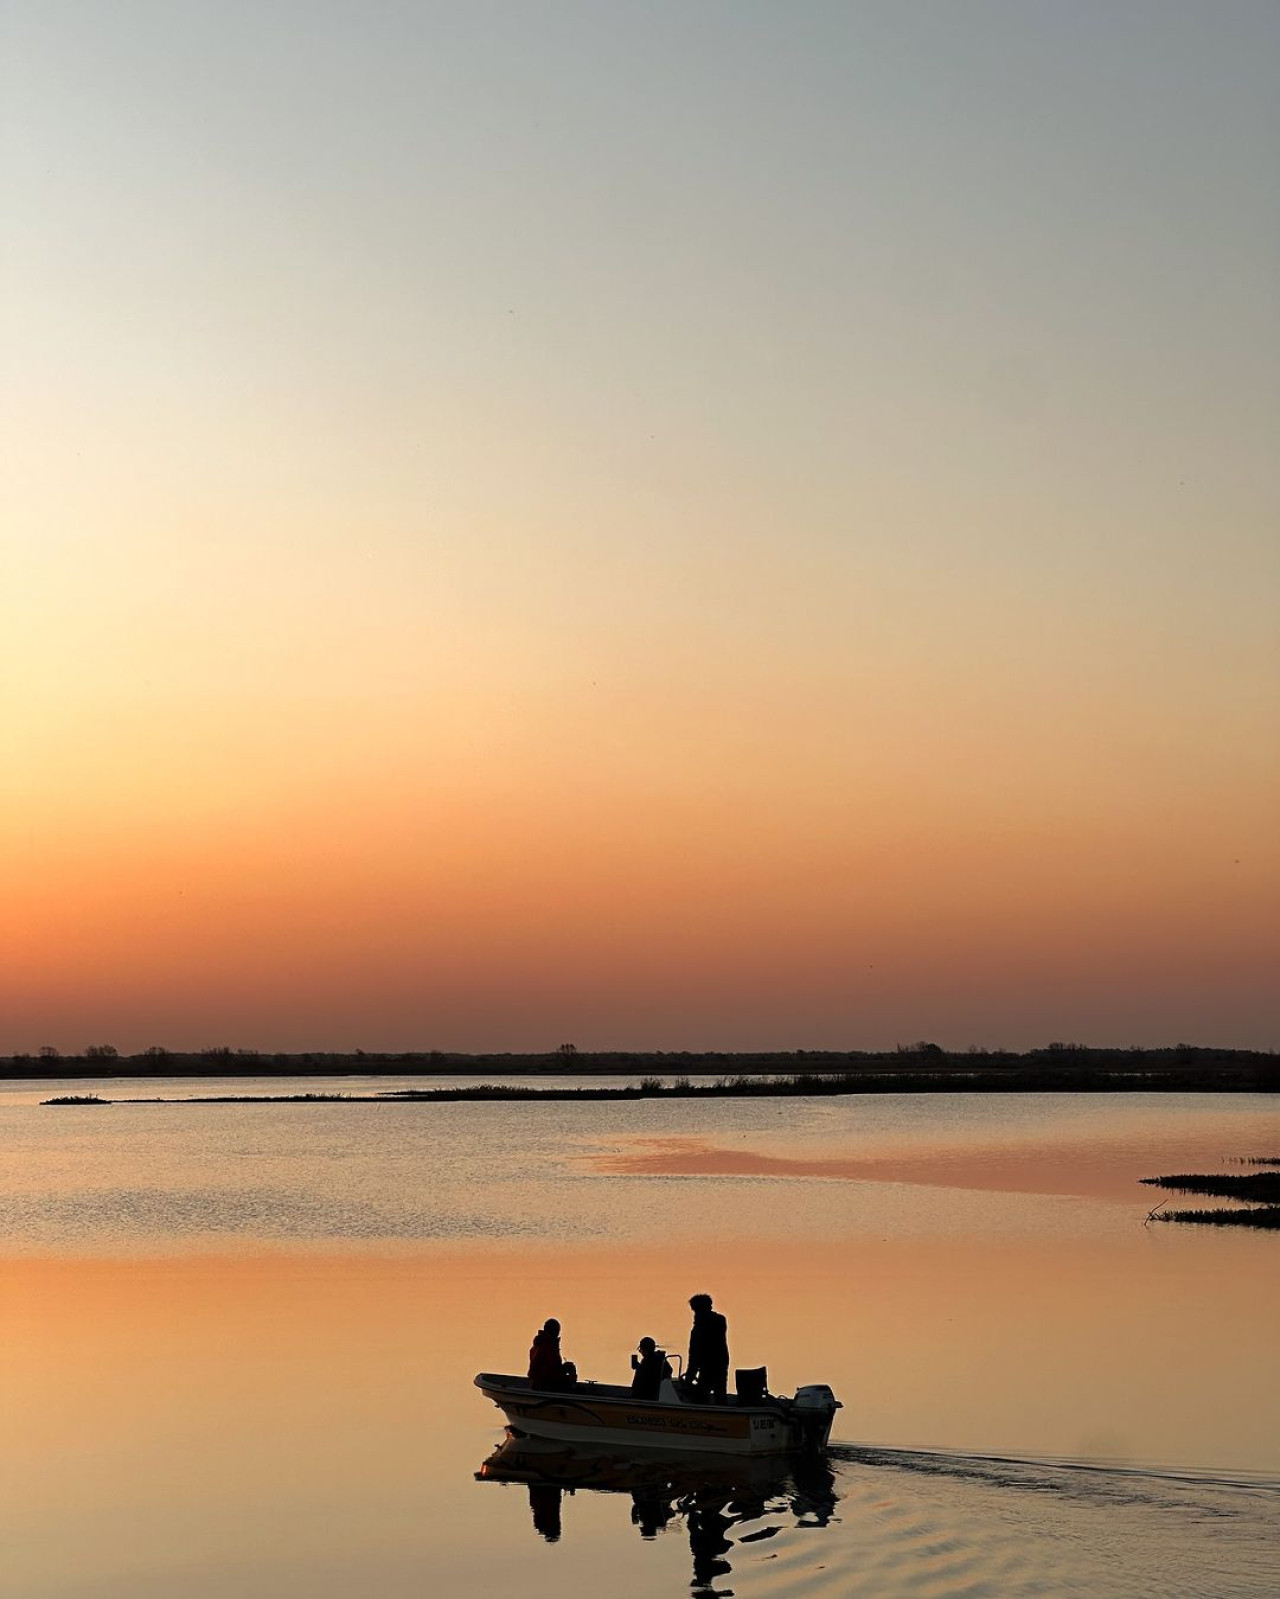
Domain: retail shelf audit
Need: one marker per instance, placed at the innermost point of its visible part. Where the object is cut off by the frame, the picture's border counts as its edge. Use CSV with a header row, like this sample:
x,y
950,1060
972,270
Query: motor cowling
x,y
814,1408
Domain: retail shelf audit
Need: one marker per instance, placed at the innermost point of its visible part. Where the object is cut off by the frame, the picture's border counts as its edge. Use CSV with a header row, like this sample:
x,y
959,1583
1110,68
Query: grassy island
x,y
1258,1191
745,1086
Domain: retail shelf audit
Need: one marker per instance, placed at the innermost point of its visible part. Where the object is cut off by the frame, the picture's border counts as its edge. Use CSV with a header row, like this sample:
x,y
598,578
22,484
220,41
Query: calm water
x,y
239,1342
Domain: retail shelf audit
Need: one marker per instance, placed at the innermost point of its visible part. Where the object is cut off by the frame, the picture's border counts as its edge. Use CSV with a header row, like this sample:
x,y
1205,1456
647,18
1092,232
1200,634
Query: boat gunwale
x,y
492,1384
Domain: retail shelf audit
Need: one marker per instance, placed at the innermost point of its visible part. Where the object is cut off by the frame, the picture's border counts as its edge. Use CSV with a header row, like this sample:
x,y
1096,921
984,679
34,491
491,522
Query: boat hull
x,y
592,1415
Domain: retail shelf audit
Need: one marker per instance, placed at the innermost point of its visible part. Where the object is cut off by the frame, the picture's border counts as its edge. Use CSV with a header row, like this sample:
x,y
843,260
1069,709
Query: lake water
x,y
238,1342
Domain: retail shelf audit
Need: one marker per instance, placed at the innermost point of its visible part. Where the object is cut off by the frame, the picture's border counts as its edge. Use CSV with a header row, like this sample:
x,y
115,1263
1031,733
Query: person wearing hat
x,y
546,1365
650,1366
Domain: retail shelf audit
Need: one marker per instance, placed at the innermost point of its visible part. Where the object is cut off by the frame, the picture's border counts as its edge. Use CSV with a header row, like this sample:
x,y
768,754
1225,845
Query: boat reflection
x,y
711,1495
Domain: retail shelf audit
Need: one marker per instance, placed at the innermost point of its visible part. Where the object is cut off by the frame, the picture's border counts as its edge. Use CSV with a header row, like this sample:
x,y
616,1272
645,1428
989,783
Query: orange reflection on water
x,y
251,1403
1056,1168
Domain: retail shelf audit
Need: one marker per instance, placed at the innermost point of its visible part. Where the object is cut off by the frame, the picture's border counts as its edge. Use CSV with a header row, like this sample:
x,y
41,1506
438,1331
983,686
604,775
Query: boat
x,y
754,1422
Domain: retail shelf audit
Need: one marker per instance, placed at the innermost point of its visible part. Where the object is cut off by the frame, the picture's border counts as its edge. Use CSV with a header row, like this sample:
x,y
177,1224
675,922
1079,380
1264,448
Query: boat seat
x,y
751,1384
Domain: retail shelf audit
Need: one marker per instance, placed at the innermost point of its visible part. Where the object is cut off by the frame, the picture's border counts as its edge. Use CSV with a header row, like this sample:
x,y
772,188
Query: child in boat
x,y
651,1367
546,1366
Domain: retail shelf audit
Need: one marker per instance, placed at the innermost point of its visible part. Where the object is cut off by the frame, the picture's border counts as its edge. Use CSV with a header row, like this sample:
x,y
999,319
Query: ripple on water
x,y
117,1216
919,1523
967,1527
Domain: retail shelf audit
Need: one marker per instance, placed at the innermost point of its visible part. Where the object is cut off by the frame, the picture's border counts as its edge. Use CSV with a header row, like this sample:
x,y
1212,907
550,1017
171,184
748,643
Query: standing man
x,y
708,1351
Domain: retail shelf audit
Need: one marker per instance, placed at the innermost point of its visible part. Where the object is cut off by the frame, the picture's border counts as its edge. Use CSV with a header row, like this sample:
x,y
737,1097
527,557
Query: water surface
x,y
238,1344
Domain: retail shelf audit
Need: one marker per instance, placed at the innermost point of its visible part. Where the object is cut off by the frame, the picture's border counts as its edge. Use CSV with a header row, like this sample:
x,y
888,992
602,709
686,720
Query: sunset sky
x,y
655,525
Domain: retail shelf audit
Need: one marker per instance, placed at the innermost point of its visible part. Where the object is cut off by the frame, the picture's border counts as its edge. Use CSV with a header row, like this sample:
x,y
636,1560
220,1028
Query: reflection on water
x,y
262,1324
899,1522
719,1503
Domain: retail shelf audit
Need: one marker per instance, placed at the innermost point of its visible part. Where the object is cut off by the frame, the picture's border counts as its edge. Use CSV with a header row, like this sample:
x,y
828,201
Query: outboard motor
x,y
814,1410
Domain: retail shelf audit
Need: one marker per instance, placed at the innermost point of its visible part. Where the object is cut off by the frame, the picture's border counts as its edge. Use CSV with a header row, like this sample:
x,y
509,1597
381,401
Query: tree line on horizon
x,y
223,1060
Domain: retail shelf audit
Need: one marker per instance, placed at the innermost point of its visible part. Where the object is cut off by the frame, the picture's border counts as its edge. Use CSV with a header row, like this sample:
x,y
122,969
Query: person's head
x,y
700,1303
551,1327
647,1346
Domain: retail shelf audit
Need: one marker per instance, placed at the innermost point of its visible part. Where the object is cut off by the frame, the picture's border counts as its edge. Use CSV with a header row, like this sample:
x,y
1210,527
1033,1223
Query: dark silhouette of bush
x,y
1246,1216
1263,1186
1259,1191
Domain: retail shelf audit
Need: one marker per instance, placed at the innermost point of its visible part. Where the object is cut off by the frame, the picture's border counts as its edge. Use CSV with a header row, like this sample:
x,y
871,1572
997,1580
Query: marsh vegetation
x,y
952,1077
1258,1193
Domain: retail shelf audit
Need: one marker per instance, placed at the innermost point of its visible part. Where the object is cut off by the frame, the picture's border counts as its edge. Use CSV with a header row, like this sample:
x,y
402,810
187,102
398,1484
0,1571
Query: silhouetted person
x,y
544,1502
708,1351
650,1369
546,1366
815,1497
708,1524
651,1511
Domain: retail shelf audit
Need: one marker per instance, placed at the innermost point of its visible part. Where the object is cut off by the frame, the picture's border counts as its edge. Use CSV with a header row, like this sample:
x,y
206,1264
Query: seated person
x,y
650,1368
546,1367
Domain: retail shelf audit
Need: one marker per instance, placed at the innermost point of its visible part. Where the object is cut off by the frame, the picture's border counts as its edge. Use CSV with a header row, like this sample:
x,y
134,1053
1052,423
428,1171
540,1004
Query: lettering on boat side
x,y
559,1414
674,1424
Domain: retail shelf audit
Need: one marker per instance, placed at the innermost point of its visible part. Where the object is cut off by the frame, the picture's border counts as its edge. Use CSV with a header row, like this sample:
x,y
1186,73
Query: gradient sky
x,y
651,525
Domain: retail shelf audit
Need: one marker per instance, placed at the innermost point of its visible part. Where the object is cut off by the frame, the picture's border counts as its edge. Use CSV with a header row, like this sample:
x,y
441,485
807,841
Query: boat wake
x,y
1091,1481
896,1522
936,1522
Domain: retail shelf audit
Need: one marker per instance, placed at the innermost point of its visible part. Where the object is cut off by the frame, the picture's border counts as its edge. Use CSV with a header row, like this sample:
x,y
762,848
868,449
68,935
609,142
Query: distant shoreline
x,y
675,1077
923,1067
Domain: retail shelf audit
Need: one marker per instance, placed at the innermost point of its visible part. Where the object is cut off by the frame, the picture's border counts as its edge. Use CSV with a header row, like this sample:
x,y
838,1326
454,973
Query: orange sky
x,y
476,577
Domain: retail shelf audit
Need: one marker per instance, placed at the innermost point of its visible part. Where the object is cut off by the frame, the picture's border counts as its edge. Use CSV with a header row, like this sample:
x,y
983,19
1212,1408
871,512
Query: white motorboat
x,y
605,1413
